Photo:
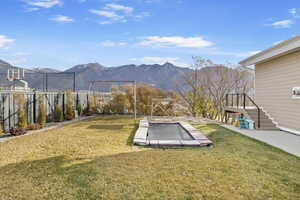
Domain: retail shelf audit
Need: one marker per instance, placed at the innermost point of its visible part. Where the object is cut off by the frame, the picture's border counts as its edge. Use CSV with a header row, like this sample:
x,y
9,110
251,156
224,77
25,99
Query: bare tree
x,y
191,88
204,89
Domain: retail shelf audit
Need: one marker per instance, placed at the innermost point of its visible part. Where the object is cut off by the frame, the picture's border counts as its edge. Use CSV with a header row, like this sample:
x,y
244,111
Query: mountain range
x,y
164,76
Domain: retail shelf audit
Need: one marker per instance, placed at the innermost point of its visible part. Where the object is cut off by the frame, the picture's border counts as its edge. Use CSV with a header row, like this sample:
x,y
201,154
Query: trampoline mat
x,y
174,131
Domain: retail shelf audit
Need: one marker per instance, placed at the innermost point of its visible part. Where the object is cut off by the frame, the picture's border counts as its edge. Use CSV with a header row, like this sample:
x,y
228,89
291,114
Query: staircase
x,y
242,103
265,122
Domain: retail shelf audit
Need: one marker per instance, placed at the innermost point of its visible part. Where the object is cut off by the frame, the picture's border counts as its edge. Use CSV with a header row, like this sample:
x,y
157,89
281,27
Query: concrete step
x,y
265,122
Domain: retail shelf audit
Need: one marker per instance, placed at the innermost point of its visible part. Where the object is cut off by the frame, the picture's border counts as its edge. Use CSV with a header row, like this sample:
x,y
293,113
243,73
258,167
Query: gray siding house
x,y
277,83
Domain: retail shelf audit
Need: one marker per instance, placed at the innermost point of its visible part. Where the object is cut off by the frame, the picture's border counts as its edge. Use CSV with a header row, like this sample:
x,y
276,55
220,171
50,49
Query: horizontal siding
x,y
274,82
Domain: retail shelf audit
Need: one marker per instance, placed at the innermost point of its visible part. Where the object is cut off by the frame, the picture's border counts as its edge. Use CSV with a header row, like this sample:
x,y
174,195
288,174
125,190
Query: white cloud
x,y
32,9
294,12
62,19
117,13
160,60
105,22
118,7
4,41
142,15
108,14
175,41
282,24
109,43
43,3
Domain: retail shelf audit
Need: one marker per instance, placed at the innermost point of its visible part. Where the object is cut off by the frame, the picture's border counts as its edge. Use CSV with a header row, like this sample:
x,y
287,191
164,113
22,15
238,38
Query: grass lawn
x,y
94,159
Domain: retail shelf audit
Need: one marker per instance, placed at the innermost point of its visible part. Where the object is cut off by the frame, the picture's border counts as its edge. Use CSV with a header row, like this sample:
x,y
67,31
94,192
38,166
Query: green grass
x,y
94,159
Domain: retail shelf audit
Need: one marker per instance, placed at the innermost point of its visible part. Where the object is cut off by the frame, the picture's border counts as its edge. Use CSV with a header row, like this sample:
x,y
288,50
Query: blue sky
x,y
63,33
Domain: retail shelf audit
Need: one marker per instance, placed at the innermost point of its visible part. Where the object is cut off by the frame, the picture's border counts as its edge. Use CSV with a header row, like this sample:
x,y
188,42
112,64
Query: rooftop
x,y
280,49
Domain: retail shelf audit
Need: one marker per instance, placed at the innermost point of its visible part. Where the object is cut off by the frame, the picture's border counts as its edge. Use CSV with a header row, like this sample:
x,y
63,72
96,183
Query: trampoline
x,y
169,134
157,131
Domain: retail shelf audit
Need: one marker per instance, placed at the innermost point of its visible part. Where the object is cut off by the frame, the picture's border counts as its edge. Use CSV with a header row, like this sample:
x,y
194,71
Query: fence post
x,y
9,111
258,117
3,112
34,107
226,100
46,82
63,104
244,100
87,100
74,76
237,100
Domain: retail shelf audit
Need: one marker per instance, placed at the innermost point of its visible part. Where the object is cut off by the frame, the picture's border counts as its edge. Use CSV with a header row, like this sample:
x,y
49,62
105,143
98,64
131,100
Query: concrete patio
x,y
285,141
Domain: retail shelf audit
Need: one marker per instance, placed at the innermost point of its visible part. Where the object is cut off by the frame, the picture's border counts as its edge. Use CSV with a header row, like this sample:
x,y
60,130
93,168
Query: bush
x,y
69,111
35,126
90,107
79,109
58,114
17,131
1,129
119,103
42,113
22,122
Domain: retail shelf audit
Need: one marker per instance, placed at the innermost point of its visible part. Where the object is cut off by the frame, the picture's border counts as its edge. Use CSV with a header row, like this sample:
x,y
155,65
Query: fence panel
x,y
9,105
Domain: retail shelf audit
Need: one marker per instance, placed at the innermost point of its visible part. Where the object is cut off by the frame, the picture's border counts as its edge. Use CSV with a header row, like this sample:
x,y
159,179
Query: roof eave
x,y
283,48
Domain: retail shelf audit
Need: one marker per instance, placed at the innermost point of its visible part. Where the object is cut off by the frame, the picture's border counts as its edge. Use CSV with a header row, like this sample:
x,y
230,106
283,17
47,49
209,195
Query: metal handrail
x,y
244,95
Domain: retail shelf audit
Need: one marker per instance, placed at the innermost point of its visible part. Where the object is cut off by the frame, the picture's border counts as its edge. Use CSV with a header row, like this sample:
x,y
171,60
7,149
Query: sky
x,y
62,33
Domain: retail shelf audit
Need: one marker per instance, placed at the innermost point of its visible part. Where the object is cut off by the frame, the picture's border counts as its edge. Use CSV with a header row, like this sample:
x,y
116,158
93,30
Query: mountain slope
x,y
162,76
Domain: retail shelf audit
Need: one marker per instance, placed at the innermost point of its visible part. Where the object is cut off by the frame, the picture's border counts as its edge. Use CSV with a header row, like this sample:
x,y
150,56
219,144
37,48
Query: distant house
x,y
277,83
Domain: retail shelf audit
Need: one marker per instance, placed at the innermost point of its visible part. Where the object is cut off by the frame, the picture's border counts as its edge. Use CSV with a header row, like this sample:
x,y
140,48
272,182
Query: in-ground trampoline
x,y
169,134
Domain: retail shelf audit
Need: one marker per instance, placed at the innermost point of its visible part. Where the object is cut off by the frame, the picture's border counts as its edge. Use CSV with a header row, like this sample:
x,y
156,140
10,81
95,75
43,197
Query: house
x,y
277,83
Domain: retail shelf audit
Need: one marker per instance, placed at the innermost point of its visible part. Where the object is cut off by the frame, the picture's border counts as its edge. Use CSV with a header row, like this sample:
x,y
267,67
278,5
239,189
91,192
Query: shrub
x,y
69,111
90,107
58,114
42,113
79,109
106,109
17,131
35,126
119,103
1,129
22,122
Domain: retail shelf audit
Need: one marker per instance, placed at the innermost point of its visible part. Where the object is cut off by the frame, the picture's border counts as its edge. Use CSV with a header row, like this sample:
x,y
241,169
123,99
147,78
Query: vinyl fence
x,y
9,105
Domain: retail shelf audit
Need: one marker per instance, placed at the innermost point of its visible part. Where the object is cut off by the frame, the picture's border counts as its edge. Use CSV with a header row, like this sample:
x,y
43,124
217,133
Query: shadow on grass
x,y
123,176
106,127
132,134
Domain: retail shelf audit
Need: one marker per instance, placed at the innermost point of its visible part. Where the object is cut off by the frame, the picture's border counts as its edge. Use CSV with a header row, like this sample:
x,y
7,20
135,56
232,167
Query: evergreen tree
x,y
69,111
22,121
58,114
42,113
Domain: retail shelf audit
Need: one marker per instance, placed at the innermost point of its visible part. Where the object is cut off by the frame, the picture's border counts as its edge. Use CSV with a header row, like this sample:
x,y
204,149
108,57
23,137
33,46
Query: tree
x,y
119,103
69,108
205,87
58,114
1,128
42,113
90,107
193,91
22,121
79,109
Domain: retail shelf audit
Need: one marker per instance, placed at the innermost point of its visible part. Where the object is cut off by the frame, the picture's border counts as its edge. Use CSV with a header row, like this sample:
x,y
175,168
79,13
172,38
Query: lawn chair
x,y
242,122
